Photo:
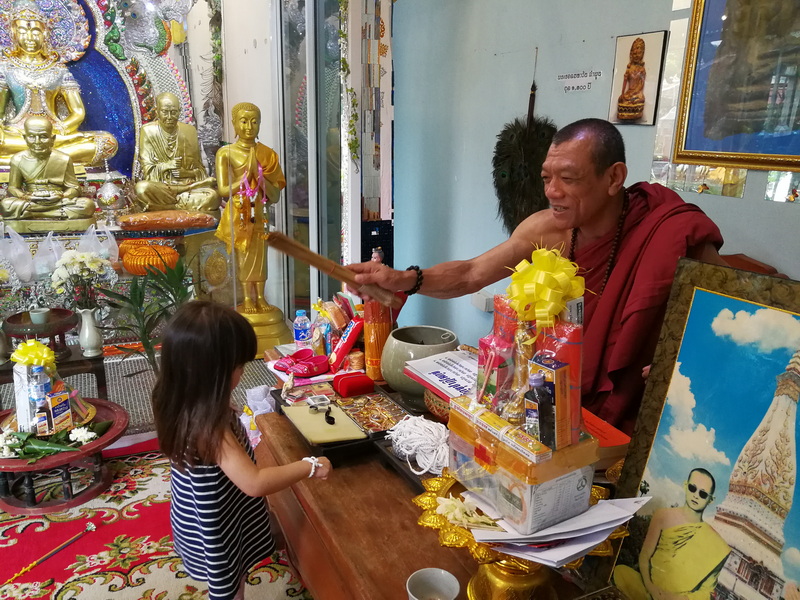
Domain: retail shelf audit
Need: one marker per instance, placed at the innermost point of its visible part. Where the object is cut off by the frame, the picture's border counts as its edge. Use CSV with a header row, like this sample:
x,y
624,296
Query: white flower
x,y
77,273
6,439
462,512
82,435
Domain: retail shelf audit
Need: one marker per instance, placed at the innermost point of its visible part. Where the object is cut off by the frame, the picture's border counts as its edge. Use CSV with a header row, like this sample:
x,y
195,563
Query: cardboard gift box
x,y
531,485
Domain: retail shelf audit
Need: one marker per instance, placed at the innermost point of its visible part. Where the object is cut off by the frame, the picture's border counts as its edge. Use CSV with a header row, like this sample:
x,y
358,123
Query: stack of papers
x,y
564,542
448,375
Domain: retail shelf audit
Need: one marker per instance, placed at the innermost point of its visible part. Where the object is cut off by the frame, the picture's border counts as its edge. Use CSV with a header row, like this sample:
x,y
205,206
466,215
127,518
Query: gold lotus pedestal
x,y
500,576
271,329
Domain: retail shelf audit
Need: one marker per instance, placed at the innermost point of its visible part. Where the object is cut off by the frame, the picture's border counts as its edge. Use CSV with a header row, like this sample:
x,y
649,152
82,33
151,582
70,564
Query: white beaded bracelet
x,y
314,462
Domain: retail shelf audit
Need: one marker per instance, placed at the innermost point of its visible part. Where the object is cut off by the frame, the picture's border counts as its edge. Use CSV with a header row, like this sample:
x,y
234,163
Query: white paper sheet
x,y
559,555
606,514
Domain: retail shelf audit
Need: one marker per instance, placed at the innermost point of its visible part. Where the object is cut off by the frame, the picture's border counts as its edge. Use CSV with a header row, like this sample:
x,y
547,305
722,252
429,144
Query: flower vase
x,y
89,336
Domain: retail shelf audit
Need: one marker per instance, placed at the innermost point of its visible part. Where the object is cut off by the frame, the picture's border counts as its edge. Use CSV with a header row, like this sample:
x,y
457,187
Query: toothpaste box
x,y
60,412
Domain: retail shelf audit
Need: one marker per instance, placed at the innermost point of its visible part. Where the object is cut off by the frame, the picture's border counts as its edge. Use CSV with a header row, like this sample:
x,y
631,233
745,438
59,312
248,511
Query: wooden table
x,y
18,473
74,364
354,536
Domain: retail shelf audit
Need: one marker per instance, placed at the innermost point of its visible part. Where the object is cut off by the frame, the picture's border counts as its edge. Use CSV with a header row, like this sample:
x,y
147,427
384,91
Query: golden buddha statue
x,y
172,172
42,186
249,174
630,105
36,80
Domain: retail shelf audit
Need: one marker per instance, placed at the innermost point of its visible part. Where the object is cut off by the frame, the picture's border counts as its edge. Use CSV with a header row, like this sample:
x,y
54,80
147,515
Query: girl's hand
x,y
324,469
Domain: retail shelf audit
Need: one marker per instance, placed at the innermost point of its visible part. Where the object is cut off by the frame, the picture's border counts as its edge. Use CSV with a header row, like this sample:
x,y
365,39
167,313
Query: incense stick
x,y
295,249
74,538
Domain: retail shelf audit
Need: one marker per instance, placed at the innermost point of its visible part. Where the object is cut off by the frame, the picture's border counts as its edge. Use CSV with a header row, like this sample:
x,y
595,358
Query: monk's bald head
x,y
168,109
38,124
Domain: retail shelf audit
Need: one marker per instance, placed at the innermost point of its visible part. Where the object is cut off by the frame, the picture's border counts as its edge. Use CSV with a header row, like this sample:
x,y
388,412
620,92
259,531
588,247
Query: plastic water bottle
x,y
302,330
38,387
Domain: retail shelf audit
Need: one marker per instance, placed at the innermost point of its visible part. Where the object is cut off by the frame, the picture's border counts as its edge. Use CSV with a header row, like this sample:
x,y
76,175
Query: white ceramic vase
x,y
89,336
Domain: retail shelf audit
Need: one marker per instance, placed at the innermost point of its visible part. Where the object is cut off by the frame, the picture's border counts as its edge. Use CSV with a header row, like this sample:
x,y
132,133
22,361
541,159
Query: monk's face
x,y
578,195
39,137
698,491
169,111
29,35
247,124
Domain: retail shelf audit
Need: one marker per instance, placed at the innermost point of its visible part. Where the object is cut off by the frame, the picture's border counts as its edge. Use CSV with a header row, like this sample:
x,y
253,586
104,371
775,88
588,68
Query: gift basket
x,y
44,403
519,442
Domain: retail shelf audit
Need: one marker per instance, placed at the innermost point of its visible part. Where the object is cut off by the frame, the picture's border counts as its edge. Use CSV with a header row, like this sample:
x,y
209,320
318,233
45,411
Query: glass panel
x,y
296,116
724,181
295,110
329,147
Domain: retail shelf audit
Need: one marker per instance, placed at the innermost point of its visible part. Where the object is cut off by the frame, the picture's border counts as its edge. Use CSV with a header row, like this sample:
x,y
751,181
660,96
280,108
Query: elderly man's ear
x,y
617,174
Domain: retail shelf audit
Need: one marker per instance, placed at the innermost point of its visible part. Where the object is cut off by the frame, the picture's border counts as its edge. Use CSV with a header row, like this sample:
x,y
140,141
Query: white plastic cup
x,y
39,315
432,584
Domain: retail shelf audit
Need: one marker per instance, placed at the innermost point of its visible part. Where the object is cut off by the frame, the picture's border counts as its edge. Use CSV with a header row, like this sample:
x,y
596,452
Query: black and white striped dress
x,y
218,530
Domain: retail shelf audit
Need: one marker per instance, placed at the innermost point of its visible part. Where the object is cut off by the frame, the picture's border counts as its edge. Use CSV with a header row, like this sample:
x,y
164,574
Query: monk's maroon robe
x,y
621,327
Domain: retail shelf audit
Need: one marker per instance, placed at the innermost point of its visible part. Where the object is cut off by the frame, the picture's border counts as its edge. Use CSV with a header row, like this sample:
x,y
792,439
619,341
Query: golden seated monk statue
x,y
36,80
172,172
42,187
250,176
630,105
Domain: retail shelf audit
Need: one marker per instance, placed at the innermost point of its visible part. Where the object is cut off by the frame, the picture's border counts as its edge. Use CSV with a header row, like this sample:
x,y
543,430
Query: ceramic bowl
x,y
409,343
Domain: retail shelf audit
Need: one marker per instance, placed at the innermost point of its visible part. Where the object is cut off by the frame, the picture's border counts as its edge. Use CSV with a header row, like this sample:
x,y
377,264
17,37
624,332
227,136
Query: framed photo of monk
x,y
637,73
715,444
740,102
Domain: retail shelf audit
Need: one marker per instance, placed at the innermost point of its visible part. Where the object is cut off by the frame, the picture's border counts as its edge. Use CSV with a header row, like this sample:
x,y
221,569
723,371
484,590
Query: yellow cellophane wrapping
x,y
484,430
377,327
138,258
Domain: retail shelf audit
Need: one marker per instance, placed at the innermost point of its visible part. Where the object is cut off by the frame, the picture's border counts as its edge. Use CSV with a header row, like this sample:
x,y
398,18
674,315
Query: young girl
x,y
220,522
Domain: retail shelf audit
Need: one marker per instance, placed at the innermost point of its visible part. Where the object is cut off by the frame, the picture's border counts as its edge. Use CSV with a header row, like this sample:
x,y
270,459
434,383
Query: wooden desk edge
x,y
457,561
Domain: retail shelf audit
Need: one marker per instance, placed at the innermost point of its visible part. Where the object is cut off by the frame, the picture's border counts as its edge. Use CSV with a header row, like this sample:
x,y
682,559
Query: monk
x,y
682,555
173,174
626,241
249,173
42,182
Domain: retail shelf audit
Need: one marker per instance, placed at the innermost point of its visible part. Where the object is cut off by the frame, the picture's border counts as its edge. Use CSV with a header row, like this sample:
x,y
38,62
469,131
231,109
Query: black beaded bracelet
x,y
418,284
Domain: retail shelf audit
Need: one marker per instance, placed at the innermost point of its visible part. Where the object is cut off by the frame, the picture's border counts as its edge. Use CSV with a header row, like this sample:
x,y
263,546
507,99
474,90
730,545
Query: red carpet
x,y
128,557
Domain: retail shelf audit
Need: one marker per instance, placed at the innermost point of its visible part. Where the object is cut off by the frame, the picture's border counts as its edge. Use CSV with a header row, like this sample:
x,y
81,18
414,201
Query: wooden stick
x,y
296,250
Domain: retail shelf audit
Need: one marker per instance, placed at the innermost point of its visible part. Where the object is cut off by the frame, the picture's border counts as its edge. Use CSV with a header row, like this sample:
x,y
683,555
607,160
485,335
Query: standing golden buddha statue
x,y
250,176
172,171
36,80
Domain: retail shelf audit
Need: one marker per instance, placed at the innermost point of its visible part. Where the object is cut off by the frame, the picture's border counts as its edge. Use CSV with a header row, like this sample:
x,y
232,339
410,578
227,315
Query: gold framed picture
x,y
740,101
715,443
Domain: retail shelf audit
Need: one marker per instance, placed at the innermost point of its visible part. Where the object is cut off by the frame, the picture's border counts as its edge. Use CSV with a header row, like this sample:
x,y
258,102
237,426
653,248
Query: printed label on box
x,y
60,410
533,507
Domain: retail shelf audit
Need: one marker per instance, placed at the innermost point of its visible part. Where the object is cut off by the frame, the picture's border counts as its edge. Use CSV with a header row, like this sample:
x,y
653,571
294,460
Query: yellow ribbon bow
x,y
34,352
317,306
541,288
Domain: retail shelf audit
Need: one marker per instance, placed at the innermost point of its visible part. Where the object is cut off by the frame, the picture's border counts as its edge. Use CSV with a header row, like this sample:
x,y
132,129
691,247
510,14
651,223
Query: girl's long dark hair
x,y
203,345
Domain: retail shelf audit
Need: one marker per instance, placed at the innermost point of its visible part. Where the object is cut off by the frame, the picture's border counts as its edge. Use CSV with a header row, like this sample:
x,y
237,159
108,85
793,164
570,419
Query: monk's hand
x,y
379,274
646,372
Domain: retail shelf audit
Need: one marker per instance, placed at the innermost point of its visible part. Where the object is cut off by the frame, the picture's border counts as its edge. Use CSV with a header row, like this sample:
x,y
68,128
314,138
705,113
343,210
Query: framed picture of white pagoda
x,y
715,444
